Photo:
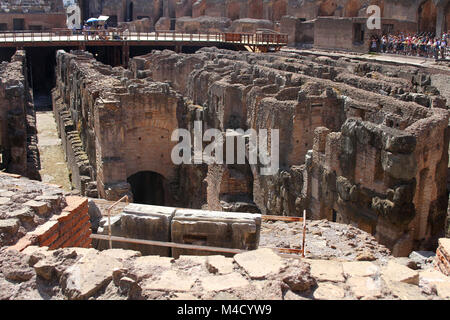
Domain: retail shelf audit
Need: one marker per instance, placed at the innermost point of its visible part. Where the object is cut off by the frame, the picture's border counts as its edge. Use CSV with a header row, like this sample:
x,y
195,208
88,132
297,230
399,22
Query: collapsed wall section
x,y
25,205
70,228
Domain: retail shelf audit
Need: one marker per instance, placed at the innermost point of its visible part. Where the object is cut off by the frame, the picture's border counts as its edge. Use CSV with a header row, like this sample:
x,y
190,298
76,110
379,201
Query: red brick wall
x,y
72,228
45,20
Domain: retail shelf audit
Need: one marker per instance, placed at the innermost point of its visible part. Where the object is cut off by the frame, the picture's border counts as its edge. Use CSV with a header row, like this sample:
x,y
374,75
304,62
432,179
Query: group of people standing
x,y
422,45
103,32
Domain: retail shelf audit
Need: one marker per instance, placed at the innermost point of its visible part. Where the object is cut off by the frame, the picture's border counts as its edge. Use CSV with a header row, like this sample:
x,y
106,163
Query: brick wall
x,y
71,228
45,21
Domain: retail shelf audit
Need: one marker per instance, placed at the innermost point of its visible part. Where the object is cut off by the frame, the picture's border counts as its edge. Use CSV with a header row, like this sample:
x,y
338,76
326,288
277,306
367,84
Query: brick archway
x,y
149,187
352,8
426,16
447,17
327,8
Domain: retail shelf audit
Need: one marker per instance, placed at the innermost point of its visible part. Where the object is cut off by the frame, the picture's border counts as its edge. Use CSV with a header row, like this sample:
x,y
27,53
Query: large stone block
x,y
214,229
147,223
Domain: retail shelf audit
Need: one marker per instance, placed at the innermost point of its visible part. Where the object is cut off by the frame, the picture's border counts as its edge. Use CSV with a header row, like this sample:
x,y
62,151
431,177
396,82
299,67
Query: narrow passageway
x,y
41,66
53,166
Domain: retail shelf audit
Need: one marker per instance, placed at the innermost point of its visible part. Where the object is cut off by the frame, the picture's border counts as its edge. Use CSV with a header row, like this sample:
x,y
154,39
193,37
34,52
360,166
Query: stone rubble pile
x,y
76,273
24,205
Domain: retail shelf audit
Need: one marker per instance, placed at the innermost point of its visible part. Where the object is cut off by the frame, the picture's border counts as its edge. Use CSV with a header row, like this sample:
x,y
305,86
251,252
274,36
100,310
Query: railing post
x,y
109,218
304,233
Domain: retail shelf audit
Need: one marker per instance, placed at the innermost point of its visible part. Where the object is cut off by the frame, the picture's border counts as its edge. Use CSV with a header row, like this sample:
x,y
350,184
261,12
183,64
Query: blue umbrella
x,y
92,20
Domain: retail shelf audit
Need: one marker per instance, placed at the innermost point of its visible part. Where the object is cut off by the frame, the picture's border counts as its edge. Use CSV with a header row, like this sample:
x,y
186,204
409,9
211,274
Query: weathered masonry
x,y
183,226
18,135
360,143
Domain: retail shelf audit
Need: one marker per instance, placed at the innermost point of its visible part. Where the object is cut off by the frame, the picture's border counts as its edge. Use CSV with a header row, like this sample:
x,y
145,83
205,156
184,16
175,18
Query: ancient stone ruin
x,y
355,143
18,138
335,174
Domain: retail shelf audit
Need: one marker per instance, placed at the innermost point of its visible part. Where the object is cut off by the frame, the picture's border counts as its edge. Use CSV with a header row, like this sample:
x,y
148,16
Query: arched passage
x,y
327,8
149,187
427,14
352,8
130,11
447,17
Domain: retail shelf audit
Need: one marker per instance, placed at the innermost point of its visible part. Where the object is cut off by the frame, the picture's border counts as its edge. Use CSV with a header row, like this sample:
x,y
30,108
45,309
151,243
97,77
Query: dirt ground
x,y
324,240
53,166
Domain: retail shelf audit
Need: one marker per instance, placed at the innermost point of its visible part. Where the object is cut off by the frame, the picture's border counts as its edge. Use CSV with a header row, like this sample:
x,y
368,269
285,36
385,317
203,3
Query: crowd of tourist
x,y
422,45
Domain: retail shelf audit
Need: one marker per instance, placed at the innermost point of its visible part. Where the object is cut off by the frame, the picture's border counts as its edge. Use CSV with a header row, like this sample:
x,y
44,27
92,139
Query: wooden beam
x,y
282,218
167,244
282,252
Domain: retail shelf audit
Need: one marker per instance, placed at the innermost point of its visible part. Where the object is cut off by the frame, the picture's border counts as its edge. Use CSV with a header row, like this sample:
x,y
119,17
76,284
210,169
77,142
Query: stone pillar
x,y
440,19
169,8
125,55
110,145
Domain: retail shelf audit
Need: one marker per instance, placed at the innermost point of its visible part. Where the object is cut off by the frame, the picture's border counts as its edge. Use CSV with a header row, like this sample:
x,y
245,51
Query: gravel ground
x,y
324,240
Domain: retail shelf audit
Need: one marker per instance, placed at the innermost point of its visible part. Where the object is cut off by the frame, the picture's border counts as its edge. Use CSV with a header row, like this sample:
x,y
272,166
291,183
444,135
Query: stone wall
x,y
298,31
26,205
141,25
249,15
69,229
18,135
345,33
103,125
352,137
202,24
249,25
123,10
31,6
37,15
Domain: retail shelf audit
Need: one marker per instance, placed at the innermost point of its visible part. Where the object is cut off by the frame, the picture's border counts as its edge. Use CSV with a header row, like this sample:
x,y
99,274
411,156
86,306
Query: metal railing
x,y
111,35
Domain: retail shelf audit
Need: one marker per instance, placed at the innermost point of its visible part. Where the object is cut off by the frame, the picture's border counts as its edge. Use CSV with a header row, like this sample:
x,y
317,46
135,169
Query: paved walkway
x,y
138,38
390,58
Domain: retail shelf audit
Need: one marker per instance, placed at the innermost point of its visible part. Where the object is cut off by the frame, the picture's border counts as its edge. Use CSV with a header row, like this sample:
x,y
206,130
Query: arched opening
x,y
447,18
130,11
148,188
41,74
327,8
379,3
427,14
352,8
279,10
85,12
